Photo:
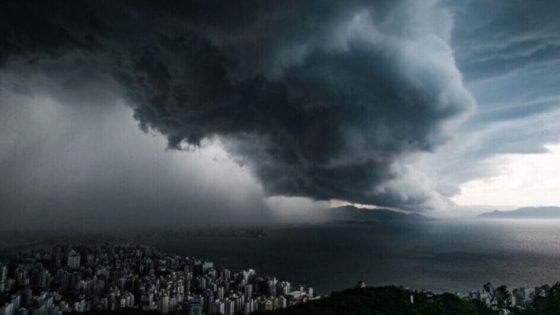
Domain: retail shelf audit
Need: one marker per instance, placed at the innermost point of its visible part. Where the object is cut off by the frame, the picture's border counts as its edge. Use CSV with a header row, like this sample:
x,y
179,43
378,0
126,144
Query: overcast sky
x,y
210,112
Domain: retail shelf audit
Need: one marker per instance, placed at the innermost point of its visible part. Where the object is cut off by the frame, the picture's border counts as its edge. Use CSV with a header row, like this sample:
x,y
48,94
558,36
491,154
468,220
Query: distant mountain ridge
x,y
524,213
360,215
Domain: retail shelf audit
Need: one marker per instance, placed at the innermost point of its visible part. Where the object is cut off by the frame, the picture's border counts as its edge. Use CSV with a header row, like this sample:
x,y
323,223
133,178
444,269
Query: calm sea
x,y
438,256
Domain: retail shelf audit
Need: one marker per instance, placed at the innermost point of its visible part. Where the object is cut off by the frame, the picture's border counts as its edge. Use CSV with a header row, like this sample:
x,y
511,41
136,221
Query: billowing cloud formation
x,y
320,99
509,54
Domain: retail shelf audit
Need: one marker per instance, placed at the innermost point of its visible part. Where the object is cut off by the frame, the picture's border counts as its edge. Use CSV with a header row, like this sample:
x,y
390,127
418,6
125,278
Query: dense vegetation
x,y
385,301
549,304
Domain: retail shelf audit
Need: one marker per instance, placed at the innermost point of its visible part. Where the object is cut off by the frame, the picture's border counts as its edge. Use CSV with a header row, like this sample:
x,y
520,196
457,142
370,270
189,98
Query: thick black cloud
x,y
319,98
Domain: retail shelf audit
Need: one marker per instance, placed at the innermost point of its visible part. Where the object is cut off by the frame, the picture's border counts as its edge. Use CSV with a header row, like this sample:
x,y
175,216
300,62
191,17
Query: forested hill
x,y
385,301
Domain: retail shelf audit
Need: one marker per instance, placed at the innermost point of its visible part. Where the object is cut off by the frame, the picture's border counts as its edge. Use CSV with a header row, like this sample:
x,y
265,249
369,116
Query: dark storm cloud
x,y
319,98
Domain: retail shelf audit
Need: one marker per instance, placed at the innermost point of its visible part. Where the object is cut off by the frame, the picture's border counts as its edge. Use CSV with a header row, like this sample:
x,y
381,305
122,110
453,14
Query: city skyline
x,y
116,277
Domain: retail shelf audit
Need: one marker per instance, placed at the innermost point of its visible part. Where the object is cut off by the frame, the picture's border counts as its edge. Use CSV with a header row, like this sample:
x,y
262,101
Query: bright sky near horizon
x,y
522,180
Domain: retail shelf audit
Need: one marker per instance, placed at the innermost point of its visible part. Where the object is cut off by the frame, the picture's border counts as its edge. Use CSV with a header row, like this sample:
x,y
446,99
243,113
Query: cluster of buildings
x,y
113,277
502,299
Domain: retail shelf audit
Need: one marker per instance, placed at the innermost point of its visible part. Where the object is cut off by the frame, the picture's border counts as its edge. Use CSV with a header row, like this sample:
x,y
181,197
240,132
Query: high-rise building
x,y
43,279
268,305
194,308
248,291
282,302
229,307
271,287
217,306
310,292
207,265
3,277
164,304
248,308
7,309
202,283
283,288
73,260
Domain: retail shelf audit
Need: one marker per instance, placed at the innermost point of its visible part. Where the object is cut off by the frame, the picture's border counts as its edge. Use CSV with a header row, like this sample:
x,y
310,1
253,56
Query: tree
x,y
503,296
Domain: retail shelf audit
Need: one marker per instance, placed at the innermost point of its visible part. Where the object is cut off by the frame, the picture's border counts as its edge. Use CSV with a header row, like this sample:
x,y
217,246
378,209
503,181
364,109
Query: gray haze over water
x,y
440,256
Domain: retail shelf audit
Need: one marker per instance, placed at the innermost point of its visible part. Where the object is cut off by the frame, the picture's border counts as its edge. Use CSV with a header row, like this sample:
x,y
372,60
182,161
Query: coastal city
x,y
115,277
104,278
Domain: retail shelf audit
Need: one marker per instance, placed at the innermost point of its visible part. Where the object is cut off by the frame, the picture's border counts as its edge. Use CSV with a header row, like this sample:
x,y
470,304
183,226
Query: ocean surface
x,y
439,256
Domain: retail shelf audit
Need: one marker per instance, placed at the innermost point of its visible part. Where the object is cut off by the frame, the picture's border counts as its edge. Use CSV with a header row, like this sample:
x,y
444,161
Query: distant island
x,y
524,213
351,214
